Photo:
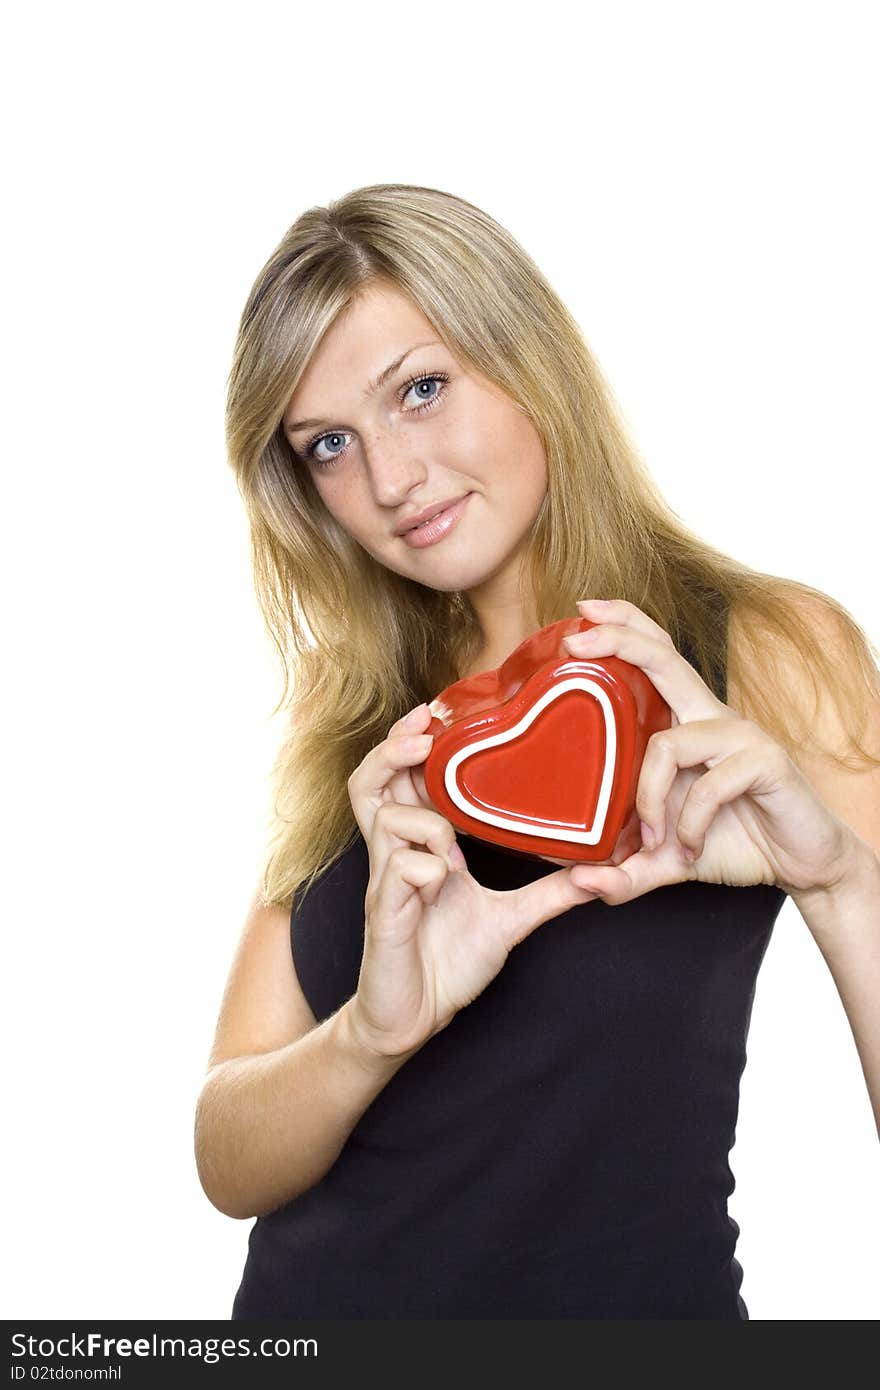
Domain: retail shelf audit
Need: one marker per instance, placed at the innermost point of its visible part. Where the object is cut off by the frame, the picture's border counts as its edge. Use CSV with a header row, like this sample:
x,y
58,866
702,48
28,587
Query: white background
x,y
698,182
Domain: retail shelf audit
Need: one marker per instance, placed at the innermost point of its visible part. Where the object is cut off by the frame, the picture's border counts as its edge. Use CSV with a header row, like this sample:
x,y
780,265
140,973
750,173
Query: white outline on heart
x,y
522,827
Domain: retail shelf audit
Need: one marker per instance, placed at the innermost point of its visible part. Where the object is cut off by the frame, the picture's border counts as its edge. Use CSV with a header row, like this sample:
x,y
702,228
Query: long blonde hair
x,y
360,644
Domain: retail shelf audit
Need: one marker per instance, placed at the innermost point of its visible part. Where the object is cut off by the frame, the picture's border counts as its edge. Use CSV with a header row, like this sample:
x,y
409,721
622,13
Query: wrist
x,y
850,894
357,1040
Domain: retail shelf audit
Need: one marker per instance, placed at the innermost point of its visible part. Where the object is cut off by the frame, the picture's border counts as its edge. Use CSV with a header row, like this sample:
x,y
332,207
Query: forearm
x,y
269,1127
845,924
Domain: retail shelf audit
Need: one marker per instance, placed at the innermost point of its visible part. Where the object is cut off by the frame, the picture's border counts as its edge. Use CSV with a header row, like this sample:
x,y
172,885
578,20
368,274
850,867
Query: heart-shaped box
x,y
542,754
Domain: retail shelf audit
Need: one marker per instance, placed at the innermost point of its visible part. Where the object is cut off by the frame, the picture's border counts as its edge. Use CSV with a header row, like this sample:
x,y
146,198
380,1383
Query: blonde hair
x,y
360,644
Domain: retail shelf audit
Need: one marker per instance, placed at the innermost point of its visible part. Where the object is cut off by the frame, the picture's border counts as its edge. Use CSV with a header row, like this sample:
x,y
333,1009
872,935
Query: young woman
x,y
450,1081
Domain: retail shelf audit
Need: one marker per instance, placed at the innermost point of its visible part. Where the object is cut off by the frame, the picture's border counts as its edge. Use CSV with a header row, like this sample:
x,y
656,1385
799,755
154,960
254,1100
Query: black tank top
x,y
560,1150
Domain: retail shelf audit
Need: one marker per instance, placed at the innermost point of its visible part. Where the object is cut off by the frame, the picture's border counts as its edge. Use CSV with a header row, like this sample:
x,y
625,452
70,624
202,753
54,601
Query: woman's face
x,y
379,458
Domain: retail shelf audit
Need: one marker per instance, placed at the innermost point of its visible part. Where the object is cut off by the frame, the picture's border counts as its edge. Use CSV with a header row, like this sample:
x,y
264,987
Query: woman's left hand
x,y
714,783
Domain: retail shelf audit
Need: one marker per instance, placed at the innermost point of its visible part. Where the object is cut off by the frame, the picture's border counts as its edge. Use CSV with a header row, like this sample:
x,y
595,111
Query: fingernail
x,y
455,858
648,839
414,716
690,855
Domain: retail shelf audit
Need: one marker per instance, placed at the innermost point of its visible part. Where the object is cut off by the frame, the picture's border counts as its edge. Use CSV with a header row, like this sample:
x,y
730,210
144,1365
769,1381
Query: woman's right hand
x,y
433,937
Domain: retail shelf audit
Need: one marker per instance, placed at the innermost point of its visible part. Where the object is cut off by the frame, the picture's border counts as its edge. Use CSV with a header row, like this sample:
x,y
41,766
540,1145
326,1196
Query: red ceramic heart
x,y
542,754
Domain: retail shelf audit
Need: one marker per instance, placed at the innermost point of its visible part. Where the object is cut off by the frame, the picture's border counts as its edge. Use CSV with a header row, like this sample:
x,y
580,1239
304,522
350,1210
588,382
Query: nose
x,y
393,468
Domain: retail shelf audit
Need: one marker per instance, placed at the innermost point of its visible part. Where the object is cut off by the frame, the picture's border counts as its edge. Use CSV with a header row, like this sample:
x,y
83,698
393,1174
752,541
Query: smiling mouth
x,y
444,507
437,526
419,524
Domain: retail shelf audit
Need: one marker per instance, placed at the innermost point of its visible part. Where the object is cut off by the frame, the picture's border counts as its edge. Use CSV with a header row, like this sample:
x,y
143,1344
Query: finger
x,y
523,909
675,679
418,780
620,611
413,722
669,750
404,790
401,787
405,872
396,825
410,724
407,787
745,771
371,779
640,874
686,745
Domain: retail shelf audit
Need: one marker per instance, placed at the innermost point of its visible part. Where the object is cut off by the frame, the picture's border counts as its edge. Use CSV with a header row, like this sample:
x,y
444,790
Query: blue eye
x,y
427,404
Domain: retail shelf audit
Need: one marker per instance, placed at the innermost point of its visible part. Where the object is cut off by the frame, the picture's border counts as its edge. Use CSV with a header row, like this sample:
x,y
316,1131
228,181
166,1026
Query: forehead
x,y
377,326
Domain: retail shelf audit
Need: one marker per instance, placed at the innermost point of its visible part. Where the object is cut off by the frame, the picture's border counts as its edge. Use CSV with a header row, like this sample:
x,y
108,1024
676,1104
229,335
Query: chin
x,y
448,574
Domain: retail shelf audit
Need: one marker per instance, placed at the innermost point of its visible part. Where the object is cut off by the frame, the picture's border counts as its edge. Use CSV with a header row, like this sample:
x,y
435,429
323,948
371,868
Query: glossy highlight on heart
x,y
542,755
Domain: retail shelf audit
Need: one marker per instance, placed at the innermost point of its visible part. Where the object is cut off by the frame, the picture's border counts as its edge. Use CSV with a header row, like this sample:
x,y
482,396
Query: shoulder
x,y
809,654
822,685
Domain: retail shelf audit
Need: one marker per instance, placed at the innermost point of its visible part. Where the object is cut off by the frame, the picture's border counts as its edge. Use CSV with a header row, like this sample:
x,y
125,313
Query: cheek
x,y
533,470
535,489
342,503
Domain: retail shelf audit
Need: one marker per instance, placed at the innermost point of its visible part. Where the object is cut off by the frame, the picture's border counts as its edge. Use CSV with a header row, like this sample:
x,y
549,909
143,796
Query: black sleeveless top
x,y
560,1150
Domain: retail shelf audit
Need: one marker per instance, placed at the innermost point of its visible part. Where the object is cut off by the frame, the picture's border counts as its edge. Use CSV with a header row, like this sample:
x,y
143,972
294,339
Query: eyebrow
x,y
372,386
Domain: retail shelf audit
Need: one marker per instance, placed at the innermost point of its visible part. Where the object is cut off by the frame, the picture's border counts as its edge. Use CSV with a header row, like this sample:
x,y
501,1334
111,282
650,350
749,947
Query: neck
x,y
505,623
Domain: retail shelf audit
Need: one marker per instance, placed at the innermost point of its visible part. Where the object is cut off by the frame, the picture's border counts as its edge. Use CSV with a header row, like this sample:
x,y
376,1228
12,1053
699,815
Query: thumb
x,y
640,873
537,902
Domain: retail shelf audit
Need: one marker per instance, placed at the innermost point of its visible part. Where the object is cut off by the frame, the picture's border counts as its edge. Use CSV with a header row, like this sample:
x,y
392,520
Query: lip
x,y
439,526
435,508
